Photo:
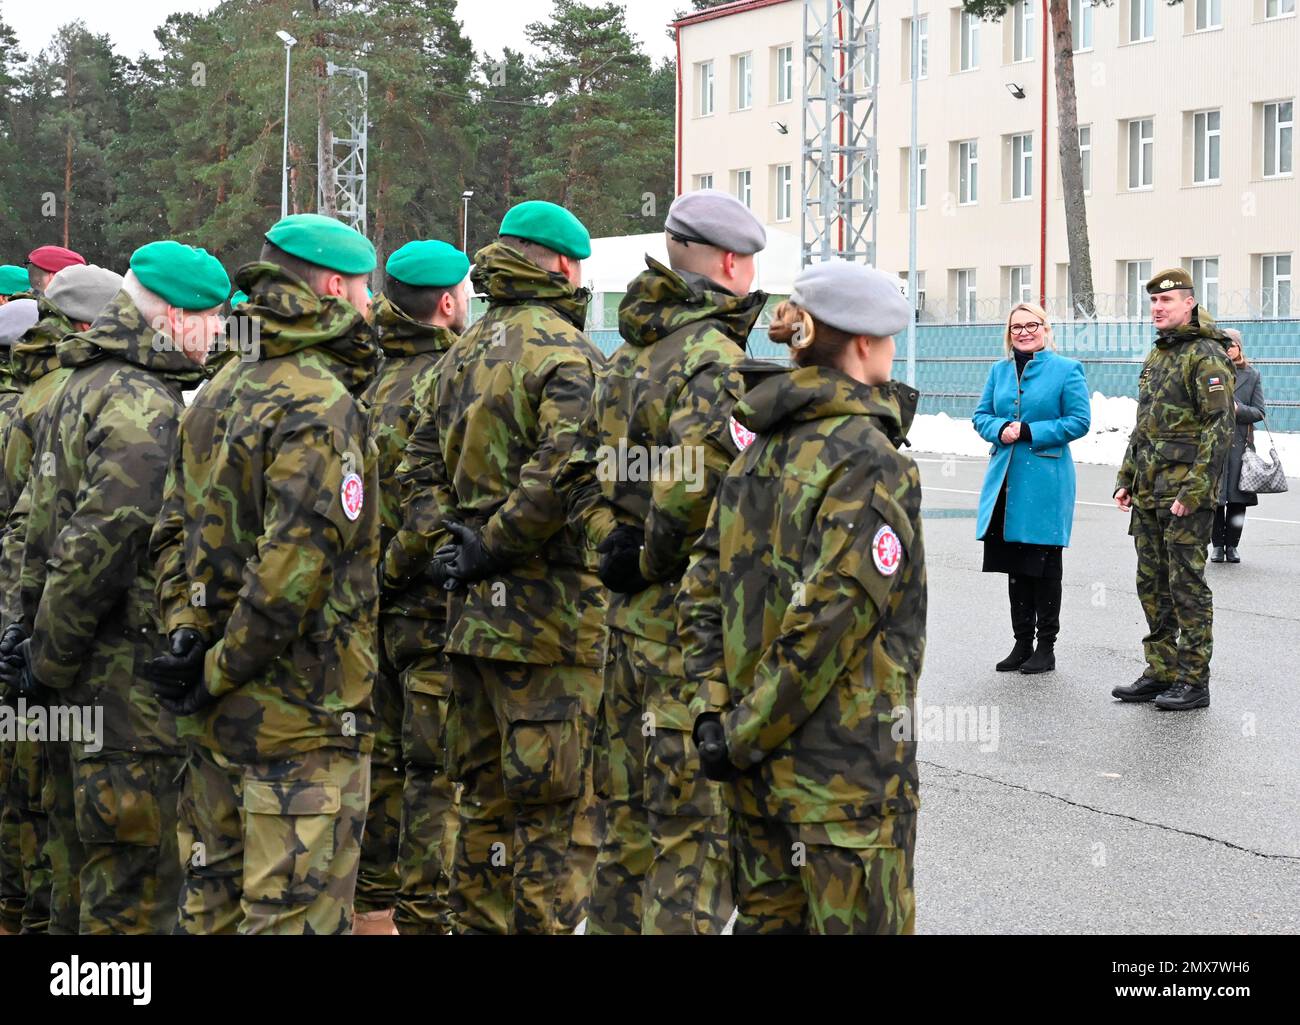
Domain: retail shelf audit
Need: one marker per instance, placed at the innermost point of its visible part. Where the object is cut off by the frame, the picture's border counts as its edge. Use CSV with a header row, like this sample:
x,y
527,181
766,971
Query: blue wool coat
x,y
1052,398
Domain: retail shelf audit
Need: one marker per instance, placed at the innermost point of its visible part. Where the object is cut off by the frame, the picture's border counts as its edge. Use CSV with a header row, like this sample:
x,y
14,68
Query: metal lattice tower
x,y
840,156
342,146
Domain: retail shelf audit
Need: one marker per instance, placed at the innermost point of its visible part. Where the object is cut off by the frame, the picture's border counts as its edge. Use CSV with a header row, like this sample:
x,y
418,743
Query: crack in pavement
x,y
1112,814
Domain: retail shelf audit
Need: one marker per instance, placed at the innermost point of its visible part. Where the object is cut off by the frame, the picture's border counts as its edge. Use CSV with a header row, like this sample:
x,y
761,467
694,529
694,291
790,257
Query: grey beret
x,y
854,298
17,317
82,292
717,219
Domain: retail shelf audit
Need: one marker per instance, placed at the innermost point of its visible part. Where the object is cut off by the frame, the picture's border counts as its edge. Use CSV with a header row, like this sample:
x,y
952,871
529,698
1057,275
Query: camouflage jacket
x,y
803,611
9,393
508,401
101,458
397,395
1184,420
269,535
38,373
660,436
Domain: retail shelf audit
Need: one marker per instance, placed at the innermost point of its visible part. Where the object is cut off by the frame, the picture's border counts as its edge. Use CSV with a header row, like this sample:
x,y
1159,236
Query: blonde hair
x,y
812,342
1049,340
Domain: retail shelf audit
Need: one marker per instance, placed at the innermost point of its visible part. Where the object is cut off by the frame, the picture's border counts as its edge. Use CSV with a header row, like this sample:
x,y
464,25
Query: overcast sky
x,y
491,24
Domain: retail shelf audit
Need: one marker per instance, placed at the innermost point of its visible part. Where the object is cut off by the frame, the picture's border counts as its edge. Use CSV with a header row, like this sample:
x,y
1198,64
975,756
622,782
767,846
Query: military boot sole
x,y
1124,694
1203,701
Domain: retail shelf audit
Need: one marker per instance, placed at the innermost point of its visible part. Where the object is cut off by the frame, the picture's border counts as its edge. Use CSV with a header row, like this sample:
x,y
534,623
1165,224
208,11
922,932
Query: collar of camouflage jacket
x,y
292,317
660,301
34,354
121,332
1202,325
507,278
402,335
817,393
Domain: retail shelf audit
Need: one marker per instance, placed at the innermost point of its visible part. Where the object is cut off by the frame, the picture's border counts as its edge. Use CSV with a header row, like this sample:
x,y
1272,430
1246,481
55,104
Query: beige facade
x,y
1188,113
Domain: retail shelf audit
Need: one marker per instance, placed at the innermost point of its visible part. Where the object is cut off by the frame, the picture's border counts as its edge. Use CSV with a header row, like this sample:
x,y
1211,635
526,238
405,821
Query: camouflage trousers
x,y
429,800
271,848
126,806
518,741
24,830
1175,596
834,878
13,894
63,846
664,863
378,878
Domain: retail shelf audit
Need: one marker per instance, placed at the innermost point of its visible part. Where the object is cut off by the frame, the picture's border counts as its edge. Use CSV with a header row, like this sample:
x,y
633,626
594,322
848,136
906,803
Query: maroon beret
x,y
54,258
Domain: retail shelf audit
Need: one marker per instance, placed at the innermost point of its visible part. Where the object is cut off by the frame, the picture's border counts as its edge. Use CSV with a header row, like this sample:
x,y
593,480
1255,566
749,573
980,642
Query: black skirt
x,y
1015,557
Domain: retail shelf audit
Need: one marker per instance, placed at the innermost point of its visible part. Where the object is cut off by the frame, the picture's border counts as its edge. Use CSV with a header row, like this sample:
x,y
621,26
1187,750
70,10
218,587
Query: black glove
x,y
711,740
620,565
16,673
182,698
13,636
464,560
182,663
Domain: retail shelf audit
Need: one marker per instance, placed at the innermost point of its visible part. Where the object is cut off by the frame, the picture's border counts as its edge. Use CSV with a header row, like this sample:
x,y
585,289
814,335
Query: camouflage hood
x,y
34,354
817,393
292,317
661,301
507,278
1202,325
401,335
120,332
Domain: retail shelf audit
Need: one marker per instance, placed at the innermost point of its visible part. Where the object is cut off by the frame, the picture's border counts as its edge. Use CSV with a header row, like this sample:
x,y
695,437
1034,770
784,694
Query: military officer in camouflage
x,y
1169,483
665,399
44,263
525,631
102,450
40,781
266,551
424,307
803,619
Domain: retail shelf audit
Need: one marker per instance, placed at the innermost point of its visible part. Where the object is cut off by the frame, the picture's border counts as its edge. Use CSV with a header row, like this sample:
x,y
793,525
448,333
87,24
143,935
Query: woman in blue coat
x,y
1034,404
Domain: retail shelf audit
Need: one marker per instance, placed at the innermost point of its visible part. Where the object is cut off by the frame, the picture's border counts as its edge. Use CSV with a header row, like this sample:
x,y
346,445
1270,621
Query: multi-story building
x,y
1186,124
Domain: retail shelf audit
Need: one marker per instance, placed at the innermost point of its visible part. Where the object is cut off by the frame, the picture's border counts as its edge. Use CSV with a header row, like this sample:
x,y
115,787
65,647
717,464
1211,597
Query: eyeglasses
x,y
1026,329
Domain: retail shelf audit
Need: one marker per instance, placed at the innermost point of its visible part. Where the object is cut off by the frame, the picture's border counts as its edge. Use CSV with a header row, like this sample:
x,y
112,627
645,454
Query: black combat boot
x,y
1183,696
1142,689
1216,554
1021,591
1231,555
1047,605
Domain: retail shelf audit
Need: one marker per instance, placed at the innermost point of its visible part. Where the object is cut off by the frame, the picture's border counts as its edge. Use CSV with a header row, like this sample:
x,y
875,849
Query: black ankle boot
x,y
1043,659
1021,590
1047,611
1020,654
1230,553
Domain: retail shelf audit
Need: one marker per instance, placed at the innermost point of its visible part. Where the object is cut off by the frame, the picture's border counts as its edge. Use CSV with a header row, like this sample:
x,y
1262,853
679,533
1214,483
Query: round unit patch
x,y
887,551
353,493
741,435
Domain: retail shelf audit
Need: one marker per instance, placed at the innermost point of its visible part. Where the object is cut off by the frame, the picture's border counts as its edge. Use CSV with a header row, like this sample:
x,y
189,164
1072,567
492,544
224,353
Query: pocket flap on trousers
x,y
560,709
433,682
670,714
291,798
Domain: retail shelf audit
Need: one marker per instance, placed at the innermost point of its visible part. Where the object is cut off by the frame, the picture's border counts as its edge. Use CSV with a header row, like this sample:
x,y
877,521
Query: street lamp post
x,y
467,195
289,43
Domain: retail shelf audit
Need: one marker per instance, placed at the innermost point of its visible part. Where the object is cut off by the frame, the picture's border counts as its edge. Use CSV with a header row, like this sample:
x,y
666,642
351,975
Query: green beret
x,y
238,298
325,242
186,277
13,280
550,226
428,264
1168,280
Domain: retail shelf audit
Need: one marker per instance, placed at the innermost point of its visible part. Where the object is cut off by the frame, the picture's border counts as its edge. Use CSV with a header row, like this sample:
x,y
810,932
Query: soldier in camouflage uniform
x,y
1169,481
40,804
266,552
525,638
101,456
664,862
424,307
803,615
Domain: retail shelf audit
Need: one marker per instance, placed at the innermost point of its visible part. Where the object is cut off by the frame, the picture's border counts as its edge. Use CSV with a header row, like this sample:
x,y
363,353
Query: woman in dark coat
x,y
1230,515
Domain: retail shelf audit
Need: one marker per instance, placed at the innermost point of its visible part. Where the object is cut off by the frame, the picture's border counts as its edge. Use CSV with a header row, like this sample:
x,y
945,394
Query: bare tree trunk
x,y
325,137
67,160
1067,113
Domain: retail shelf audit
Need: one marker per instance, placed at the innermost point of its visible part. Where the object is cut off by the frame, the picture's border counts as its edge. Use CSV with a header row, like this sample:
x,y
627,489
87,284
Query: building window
x,y
1278,134
1022,47
744,81
1022,166
1209,14
968,171
1136,275
1205,280
1085,155
704,88
919,304
1279,8
918,43
922,162
1207,144
970,42
704,181
1141,20
744,186
1141,153
1081,24
1020,284
784,74
1275,276
965,295
784,192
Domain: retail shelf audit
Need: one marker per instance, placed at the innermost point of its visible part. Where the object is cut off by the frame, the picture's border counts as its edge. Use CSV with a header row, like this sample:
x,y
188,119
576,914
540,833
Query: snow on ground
x,y
1112,421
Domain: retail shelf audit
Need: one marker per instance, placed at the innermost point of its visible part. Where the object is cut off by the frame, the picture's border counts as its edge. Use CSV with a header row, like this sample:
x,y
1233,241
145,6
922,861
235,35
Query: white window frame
x,y
1205,280
745,81
922,175
1141,154
1081,24
1207,147
1022,31
969,48
967,294
1085,158
1280,140
1209,15
968,172
1141,21
784,73
1278,9
784,189
1022,166
705,89
918,45
1020,284
744,186
1136,275
703,181
1274,283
